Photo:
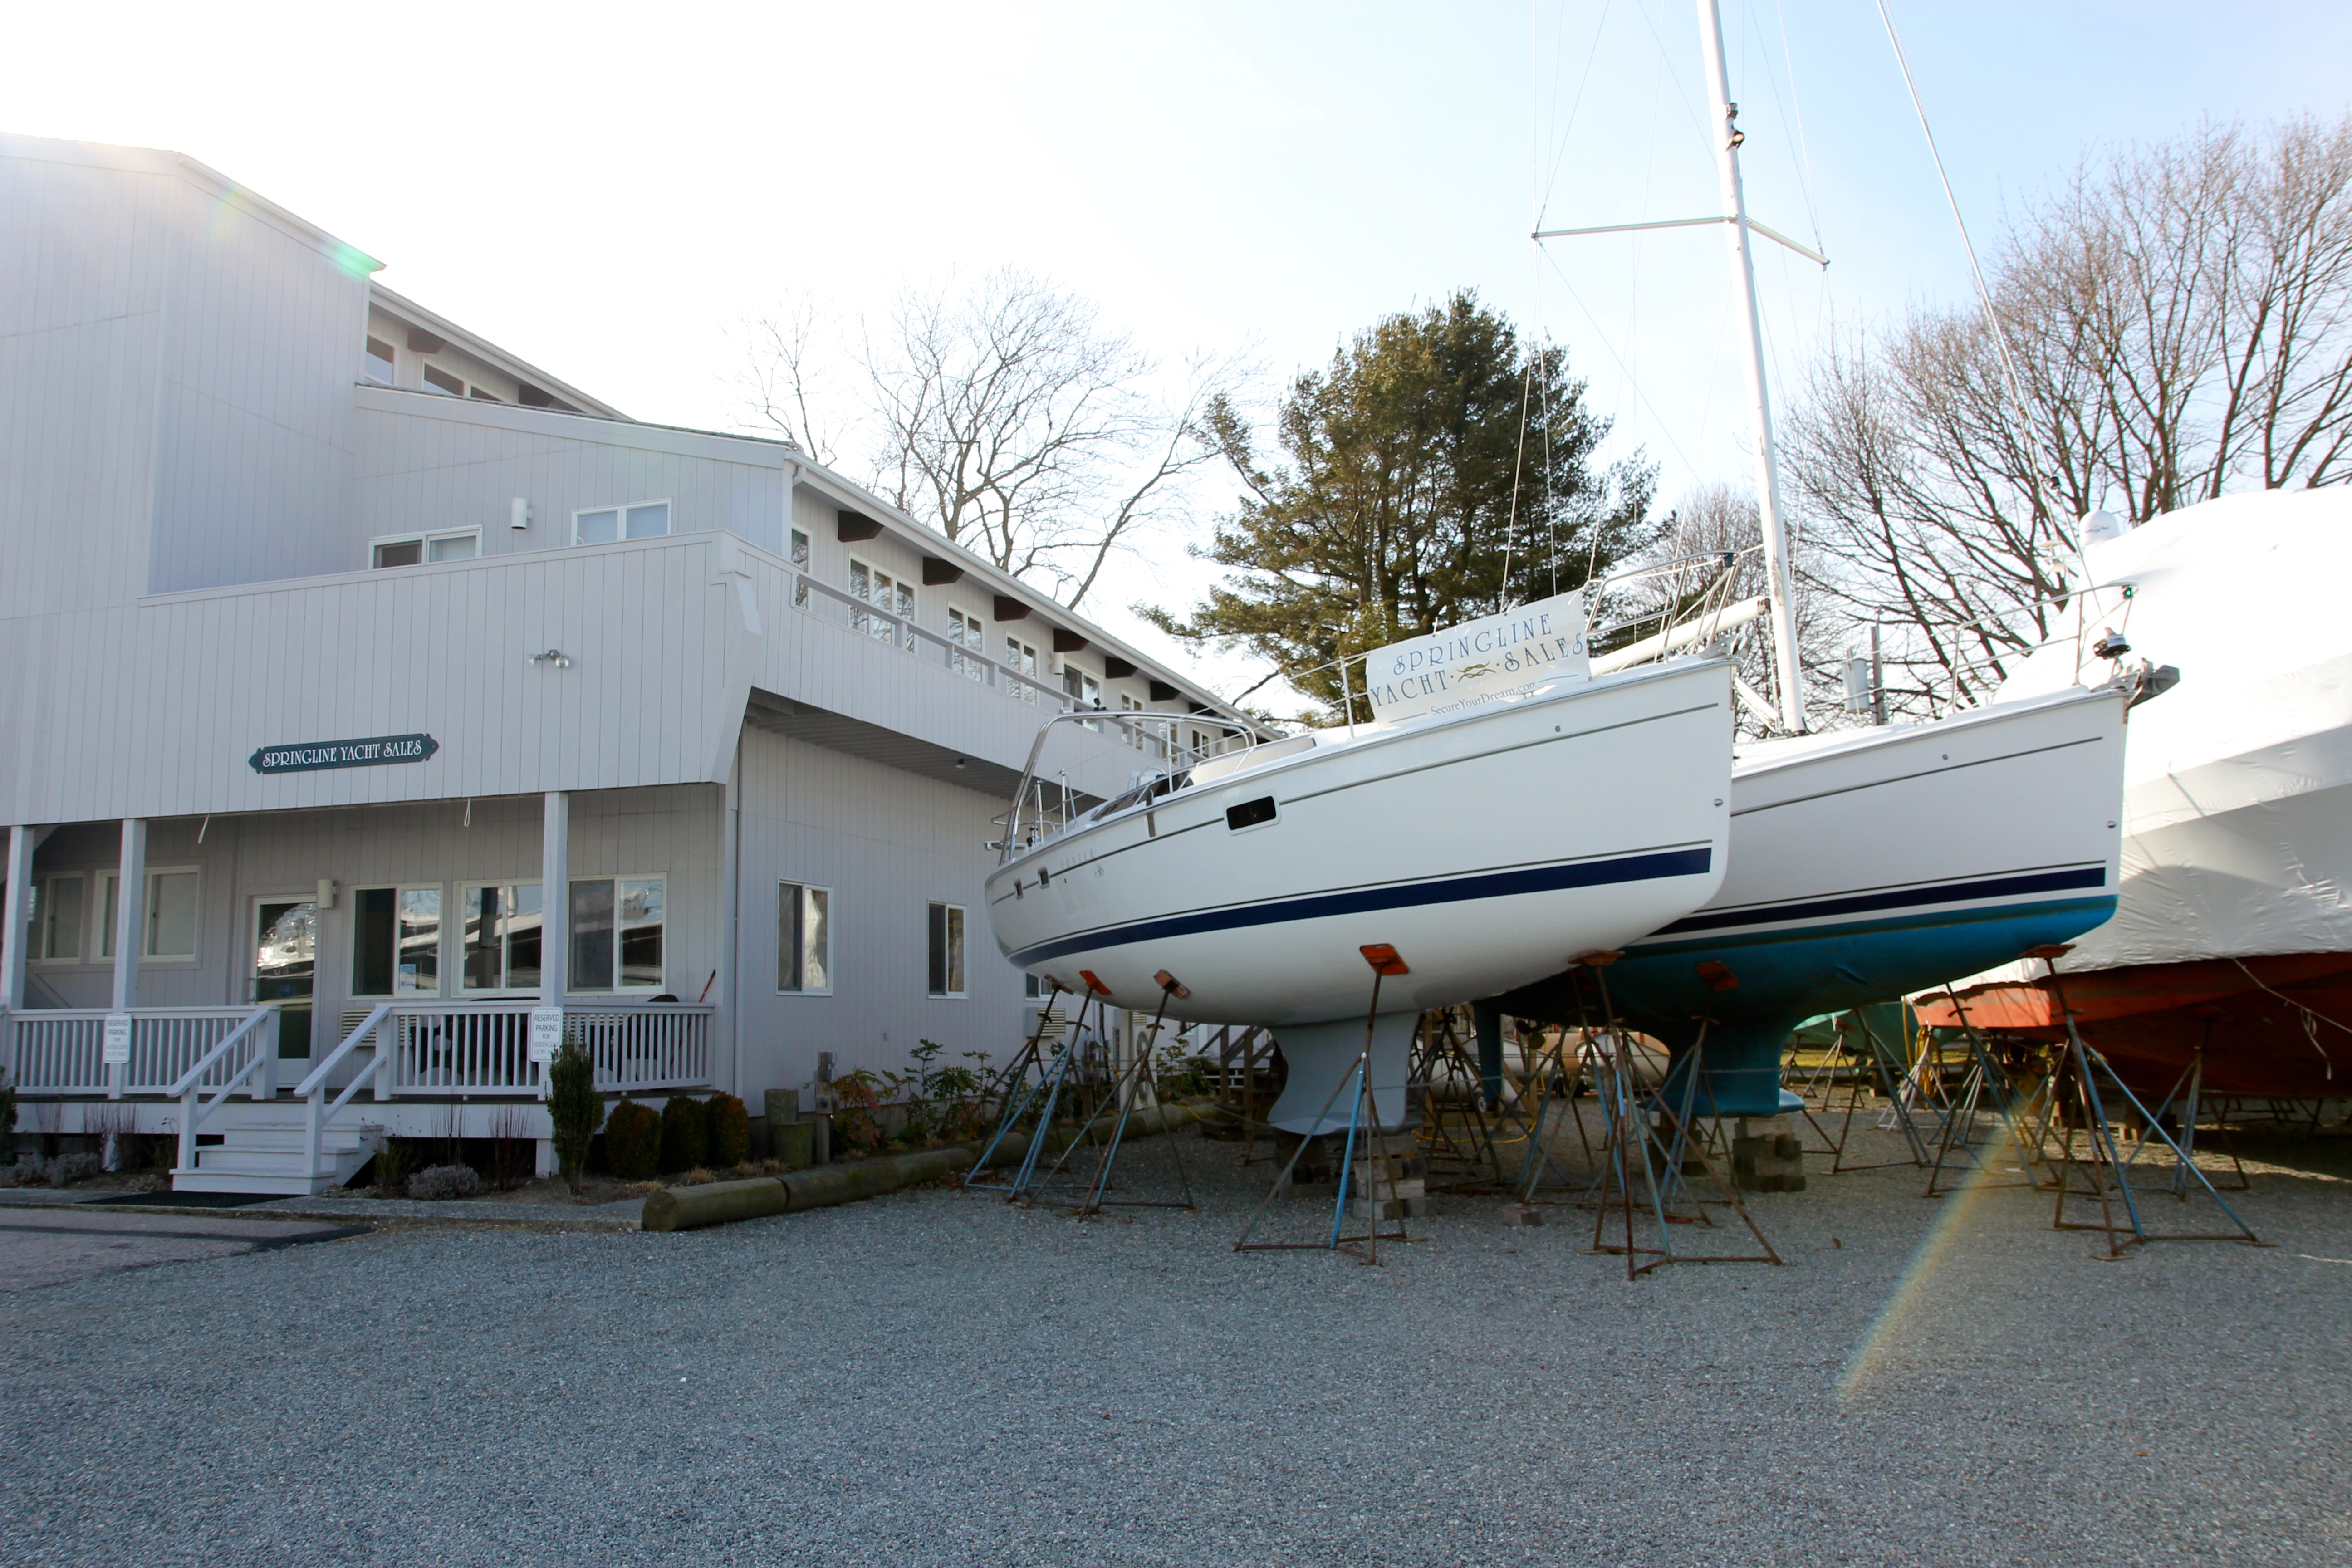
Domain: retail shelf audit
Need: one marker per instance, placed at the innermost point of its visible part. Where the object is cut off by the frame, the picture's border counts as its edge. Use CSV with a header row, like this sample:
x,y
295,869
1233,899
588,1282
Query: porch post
x,y
18,934
555,900
129,933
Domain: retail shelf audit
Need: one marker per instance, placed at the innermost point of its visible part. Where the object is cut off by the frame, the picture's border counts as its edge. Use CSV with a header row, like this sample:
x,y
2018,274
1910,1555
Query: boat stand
x,y
2075,1085
1876,1061
1019,1094
2013,1109
1126,1091
1460,1141
1654,1131
1363,1120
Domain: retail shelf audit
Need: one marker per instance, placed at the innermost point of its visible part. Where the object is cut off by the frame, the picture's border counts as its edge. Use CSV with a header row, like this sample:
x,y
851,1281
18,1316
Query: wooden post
x,y
18,934
555,900
130,933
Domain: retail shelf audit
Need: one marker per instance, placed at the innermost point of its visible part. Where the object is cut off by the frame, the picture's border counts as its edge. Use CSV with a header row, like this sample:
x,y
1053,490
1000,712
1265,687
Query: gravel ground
x,y
933,1378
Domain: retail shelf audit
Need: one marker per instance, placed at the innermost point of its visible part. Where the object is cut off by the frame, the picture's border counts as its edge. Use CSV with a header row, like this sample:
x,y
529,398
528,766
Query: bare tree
x,y
2178,319
1006,415
1686,580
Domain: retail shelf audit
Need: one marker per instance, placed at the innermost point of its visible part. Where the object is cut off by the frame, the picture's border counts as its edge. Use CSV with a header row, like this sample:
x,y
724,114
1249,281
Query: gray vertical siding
x,y
886,843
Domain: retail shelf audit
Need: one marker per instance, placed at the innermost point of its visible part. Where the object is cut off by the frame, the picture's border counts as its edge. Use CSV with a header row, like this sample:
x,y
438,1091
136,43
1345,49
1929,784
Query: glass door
x,y
285,963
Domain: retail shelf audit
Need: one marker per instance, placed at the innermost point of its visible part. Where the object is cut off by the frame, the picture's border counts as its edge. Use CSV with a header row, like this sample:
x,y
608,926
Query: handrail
x,y
189,1079
367,1026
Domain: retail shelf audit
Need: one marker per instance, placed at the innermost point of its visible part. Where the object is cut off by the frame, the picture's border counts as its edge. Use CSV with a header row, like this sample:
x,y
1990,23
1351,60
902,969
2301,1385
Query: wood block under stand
x,y
1522,1214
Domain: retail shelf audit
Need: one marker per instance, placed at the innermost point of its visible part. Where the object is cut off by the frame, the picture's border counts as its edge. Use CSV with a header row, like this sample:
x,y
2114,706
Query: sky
x,y
612,193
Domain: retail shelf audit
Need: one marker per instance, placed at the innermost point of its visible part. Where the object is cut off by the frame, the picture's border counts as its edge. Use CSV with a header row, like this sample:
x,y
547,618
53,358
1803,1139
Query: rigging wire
x,y
1664,433
1984,294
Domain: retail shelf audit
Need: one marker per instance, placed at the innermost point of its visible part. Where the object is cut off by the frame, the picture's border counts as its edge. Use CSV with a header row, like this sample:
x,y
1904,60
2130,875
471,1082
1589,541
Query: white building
x,y
331,635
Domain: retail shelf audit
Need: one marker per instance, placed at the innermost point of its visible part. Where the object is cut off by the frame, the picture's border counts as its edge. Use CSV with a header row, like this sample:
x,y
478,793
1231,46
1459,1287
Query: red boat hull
x,y
2277,1027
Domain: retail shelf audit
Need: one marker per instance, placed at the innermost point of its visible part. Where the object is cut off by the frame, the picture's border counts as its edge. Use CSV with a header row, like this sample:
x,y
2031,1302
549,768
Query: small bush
x,y
437,1182
395,1159
575,1108
685,1133
632,1140
68,1169
731,1129
24,1173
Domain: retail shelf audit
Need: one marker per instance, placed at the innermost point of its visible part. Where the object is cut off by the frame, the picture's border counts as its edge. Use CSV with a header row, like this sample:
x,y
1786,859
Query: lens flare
x,y
1887,1328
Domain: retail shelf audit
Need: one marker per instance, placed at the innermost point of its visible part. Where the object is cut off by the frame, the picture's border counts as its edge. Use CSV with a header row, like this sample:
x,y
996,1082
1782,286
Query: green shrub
x,y
575,1107
685,1133
632,1140
731,1131
7,1115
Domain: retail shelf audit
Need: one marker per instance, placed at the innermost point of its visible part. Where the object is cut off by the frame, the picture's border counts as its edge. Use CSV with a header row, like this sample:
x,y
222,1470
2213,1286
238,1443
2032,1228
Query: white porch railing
x,y
61,1051
421,1048
249,1050
484,1048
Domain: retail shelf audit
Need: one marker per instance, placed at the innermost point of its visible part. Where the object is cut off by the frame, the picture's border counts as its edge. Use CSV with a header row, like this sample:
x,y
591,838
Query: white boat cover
x,y
2237,781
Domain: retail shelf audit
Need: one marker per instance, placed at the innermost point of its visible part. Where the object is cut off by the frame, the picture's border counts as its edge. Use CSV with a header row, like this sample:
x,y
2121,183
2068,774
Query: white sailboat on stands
x,y
1505,809
1866,864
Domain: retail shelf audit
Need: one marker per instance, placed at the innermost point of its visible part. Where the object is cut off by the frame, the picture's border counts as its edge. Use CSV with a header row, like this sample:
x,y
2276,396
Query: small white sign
x,y
117,1048
1480,661
546,1034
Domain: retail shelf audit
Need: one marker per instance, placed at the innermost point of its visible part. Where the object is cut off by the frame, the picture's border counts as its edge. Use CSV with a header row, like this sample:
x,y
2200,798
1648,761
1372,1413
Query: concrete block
x,y
1522,1215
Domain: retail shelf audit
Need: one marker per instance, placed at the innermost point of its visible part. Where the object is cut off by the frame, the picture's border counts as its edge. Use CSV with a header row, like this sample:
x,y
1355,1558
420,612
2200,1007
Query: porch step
x,y
275,1159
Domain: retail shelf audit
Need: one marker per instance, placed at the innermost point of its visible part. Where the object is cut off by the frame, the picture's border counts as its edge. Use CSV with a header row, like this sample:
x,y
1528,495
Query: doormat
x,y
188,1200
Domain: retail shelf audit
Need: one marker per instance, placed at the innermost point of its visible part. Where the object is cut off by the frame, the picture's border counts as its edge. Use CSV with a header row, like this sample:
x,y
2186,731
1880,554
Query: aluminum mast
x,y
1767,468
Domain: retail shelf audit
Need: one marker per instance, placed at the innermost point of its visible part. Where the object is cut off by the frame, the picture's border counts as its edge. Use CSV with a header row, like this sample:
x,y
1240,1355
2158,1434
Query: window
x,y
170,915
964,632
378,364
947,950
1083,690
1033,986
439,380
1021,660
885,593
396,941
603,525
800,549
1135,732
501,937
804,938
420,549
54,921
484,395
616,933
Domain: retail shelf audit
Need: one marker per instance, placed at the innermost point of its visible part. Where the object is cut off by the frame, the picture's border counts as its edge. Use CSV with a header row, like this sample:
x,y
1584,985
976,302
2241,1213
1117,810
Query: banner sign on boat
x,y
371,753
1480,661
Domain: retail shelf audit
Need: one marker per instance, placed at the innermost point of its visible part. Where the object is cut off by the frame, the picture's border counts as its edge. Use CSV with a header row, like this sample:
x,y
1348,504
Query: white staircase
x,y
267,1150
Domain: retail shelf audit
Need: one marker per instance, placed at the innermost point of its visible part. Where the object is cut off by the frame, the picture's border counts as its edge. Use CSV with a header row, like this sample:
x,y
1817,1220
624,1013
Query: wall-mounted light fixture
x,y
518,513
555,657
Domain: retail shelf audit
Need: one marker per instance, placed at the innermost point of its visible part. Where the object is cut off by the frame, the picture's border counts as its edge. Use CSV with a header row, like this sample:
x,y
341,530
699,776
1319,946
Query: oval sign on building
x,y
370,751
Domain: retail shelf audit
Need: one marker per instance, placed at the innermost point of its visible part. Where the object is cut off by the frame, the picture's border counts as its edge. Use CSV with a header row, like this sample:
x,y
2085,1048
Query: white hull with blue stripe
x,y
1868,864
1488,846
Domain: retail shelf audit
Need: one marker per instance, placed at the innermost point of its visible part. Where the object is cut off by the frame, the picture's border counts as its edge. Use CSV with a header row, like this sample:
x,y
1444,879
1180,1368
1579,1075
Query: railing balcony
x,y
839,606
62,1051
437,1050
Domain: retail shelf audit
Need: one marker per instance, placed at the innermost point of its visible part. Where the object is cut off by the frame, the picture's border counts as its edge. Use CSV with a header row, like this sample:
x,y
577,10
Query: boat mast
x,y
1767,469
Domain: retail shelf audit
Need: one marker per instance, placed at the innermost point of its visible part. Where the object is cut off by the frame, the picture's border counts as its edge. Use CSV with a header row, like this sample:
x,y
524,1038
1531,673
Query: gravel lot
x,y
933,1378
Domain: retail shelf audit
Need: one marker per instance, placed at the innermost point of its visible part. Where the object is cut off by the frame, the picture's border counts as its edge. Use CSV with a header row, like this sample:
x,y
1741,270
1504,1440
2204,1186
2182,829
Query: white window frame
x,y
427,540
426,372
904,605
954,930
106,881
572,981
621,522
967,636
37,950
390,359
832,921
474,884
